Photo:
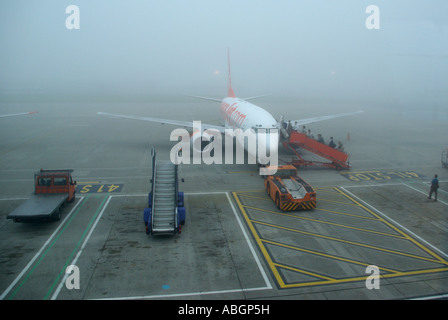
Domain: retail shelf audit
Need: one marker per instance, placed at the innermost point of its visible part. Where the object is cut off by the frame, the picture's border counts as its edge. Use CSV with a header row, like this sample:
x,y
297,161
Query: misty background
x,y
312,50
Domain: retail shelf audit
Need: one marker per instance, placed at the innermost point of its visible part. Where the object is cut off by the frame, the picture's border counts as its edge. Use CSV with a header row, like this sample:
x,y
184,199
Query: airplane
x,y
238,113
16,114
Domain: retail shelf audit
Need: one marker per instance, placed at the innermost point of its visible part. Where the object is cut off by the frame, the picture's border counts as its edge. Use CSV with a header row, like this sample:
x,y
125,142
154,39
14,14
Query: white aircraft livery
x,y
240,114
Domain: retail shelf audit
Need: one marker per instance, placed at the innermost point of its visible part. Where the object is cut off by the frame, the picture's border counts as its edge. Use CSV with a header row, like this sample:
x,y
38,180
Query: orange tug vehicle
x,y
289,191
52,190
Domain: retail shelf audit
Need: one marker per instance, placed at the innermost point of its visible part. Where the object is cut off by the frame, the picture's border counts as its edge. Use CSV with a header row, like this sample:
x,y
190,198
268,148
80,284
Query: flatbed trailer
x,y
39,207
53,189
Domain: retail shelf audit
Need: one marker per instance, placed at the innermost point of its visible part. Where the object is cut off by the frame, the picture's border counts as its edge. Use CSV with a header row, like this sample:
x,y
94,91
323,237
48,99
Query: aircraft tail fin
x,y
230,92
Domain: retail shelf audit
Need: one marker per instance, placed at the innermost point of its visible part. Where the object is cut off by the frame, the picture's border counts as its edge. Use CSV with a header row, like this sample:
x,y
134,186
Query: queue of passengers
x,y
289,128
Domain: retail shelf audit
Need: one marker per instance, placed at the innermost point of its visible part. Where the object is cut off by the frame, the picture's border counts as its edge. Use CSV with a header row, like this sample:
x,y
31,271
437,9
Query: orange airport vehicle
x,y
289,191
52,189
338,159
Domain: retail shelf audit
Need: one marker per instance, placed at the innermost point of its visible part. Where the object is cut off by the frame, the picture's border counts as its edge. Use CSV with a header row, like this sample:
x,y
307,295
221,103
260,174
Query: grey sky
x,y
311,48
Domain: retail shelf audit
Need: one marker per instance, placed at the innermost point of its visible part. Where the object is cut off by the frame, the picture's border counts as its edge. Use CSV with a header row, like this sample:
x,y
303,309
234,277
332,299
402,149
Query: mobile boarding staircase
x,y
166,212
338,159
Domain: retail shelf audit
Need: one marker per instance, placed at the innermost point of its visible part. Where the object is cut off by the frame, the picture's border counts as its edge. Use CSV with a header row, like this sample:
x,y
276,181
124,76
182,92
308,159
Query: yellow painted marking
x,y
275,266
112,188
333,201
347,214
440,259
325,190
258,240
355,172
254,197
326,255
86,188
347,241
325,222
362,278
303,271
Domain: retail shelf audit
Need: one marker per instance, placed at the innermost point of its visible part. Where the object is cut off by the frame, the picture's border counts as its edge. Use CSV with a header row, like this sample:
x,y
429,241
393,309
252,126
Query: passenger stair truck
x,y
338,159
52,190
166,212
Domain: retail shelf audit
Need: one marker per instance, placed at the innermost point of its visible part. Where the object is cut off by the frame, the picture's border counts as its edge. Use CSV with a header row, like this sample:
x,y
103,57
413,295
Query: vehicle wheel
x,y
268,188
277,200
57,214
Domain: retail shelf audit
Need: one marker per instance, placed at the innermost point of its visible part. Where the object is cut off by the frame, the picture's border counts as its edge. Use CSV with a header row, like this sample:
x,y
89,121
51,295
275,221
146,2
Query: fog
x,y
314,49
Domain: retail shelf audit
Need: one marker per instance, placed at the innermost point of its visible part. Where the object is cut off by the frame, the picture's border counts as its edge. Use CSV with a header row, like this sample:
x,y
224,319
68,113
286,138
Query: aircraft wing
x,y
165,121
322,118
205,98
255,97
16,114
220,100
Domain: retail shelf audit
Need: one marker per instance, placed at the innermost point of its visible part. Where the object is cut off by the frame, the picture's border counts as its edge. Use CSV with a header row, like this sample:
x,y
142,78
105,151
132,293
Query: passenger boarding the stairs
x,y
332,144
310,135
320,138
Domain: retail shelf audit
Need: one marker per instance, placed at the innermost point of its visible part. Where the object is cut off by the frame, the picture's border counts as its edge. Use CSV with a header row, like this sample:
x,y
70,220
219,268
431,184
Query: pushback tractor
x,y
165,213
289,191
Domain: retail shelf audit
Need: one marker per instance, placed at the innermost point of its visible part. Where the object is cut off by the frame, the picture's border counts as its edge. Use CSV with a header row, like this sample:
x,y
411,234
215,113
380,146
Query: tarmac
x,y
375,217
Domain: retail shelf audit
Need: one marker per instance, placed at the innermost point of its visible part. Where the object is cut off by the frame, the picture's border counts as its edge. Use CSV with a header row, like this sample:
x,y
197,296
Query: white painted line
x,y
252,250
260,267
178,295
397,224
397,184
28,266
58,290
436,297
374,185
426,194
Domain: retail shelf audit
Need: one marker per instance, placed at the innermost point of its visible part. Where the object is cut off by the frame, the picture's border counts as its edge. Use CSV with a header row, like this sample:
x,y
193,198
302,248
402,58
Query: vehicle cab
x,y
55,181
